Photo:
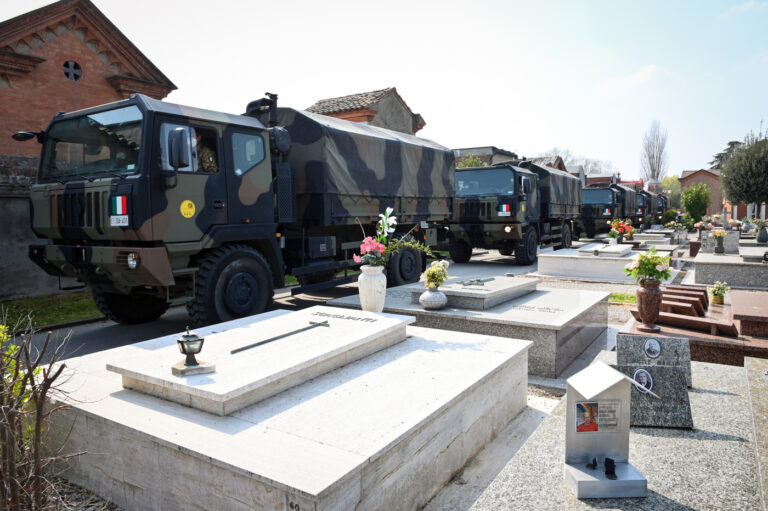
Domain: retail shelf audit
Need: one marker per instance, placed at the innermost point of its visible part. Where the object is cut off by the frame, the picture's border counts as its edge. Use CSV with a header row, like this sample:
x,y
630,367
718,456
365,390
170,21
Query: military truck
x,y
515,207
663,206
647,205
602,203
151,203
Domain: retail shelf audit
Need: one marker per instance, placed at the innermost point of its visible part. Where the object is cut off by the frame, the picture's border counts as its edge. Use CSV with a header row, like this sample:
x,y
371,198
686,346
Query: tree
x,y
470,161
718,160
654,157
744,177
591,166
695,200
671,188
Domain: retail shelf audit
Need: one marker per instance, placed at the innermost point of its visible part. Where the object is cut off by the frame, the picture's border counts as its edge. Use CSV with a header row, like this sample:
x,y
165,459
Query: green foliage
x,y
377,251
744,175
688,222
622,298
669,215
695,200
470,161
649,266
436,274
49,310
671,187
719,289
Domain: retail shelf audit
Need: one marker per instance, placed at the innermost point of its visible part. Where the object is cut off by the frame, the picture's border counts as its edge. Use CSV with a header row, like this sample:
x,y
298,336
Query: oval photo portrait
x,y
643,380
652,348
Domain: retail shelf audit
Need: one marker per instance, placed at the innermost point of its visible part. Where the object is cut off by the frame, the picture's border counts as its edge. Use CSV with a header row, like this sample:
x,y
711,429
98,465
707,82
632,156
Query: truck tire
x,y
233,281
525,254
317,278
590,231
129,310
404,267
565,236
460,251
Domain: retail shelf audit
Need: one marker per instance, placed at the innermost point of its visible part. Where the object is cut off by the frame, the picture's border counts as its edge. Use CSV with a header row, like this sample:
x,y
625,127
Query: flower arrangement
x,y
698,226
436,274
733,223
376,251
718,233
717,220
746,220
620,228
649,266
759,224
719,289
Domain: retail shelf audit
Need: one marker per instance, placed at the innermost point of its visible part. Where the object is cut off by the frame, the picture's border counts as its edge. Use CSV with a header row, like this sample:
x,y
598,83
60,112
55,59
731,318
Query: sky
x,y
588,76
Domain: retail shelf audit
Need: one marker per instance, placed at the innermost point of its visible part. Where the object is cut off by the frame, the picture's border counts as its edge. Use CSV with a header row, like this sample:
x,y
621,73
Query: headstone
x,y
671,409
654,351
601,250
730,242
597,435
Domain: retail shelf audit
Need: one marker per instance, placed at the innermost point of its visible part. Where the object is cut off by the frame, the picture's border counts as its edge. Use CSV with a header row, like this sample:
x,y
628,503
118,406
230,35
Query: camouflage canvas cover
x,y
560,192
628,199
346,170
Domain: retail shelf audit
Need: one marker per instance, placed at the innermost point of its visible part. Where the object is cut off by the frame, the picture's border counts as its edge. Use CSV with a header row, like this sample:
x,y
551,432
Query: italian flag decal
x,y
504,208
120,205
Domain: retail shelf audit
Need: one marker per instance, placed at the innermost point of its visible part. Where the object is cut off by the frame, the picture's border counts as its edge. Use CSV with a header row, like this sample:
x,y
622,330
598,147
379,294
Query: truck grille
x,y
475,209
79,209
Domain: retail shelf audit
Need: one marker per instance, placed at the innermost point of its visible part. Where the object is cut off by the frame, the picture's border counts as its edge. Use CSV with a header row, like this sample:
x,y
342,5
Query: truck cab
x,y
599,206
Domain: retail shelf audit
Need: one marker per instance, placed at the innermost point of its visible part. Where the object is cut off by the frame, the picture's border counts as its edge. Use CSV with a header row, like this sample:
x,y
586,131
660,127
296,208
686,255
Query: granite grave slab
x,y
730,268
480,293
573,264
730,242
671,409
602,250
654,351
753,254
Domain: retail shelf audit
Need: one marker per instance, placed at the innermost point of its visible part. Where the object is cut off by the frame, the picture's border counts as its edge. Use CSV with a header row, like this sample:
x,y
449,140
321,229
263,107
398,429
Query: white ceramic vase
x,y
432,299
372,285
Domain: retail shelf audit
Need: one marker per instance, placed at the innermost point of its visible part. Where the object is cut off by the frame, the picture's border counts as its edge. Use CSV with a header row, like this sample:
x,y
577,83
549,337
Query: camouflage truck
x,y
151,203
647,206
662,206
515,207
600,204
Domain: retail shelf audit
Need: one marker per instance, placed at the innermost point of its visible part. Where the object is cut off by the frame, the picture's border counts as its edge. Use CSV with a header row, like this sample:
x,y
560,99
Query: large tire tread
x,y
127,309
460,250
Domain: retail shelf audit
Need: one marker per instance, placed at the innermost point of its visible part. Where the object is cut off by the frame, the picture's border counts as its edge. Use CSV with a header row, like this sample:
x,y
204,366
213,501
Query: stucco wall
x,y
393,115
20,277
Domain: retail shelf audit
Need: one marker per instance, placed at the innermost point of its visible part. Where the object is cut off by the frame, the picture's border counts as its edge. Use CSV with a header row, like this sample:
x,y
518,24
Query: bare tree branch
x,y
654,157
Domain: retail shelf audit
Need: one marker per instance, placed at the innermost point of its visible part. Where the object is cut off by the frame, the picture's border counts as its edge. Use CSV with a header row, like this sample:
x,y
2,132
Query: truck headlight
x,y
508,229
132,260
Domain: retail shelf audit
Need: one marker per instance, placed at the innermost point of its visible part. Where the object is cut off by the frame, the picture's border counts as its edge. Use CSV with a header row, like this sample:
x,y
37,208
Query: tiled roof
x,y
687,173
358,101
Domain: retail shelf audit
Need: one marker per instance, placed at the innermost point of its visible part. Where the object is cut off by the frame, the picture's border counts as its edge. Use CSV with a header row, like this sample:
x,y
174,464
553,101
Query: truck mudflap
x,y
149,266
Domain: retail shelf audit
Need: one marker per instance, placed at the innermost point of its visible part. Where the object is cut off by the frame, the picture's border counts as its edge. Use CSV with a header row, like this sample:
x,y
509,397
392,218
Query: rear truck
x,y
662,206
601,204
515,207
647,206
152,204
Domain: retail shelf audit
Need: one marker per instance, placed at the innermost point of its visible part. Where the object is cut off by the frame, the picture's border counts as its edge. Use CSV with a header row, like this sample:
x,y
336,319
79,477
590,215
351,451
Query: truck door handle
x,y
218,204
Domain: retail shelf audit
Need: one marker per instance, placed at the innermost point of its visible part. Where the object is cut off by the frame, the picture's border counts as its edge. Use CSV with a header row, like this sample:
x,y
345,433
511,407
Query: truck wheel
x,y
317,278
526,249
590,232
129,310
460,251
404,267
565,237
233,281
506,251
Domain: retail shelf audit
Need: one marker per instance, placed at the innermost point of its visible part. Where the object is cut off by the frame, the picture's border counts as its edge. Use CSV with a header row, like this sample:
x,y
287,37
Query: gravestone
x,y
480,293
600,250
654,351
597,435
730,242
672,407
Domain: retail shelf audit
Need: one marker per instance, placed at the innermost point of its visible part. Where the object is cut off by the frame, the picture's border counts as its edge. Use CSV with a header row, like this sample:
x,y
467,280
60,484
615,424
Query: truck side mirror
x,y
178,148
526,186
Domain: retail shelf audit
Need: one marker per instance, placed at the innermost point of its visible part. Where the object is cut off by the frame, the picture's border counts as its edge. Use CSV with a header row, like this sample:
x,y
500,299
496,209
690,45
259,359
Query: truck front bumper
x,y
105,264
487,235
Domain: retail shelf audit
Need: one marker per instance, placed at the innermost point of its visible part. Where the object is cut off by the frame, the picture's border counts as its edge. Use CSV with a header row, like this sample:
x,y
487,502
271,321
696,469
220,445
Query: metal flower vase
x,y
762,235
648,304
433,299
372,285
719,247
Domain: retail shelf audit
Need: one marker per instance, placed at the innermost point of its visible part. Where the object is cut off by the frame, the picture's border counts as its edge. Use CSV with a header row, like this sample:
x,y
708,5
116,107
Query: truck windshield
x,y
597,196
640,200
104,142
485,182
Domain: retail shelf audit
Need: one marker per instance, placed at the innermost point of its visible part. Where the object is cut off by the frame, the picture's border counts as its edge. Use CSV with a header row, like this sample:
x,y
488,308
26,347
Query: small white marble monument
x,y
597,435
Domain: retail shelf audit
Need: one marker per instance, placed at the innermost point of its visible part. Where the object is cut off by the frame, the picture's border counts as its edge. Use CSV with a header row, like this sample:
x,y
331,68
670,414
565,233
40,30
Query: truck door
x,y
186,211
530,192
249,184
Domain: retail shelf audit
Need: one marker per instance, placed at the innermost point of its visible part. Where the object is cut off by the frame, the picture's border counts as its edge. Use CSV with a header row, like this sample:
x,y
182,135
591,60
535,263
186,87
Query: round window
x,y
72,70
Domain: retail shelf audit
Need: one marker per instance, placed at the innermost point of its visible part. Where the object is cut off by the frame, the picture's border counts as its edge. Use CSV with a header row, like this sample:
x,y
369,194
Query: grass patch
x,y
622,298
48,310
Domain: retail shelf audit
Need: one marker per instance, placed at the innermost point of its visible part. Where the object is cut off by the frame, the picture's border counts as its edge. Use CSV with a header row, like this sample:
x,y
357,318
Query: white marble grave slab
x,y
571,264
480,293
603,250
752,254
244,378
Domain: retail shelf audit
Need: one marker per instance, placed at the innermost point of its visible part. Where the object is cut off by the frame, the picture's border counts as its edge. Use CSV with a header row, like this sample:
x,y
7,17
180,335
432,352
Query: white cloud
x,y
749,6
620,86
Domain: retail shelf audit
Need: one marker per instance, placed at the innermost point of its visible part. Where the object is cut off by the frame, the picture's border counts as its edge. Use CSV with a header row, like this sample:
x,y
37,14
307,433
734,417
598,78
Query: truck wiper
x,y
116,174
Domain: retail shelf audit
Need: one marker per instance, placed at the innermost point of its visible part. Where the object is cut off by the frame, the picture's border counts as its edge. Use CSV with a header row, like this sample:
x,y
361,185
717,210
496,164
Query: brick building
x,y
383,108
710,178
489,155
62,57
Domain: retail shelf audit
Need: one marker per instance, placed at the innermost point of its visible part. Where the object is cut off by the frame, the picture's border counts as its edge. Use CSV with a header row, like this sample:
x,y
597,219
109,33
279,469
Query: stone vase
x,y
372,285
432,299
648,304
719,248
612,241
620,239
762,235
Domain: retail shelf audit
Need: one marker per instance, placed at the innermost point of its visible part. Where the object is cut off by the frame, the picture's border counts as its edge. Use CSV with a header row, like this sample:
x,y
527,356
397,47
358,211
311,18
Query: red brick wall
x,y
32,99
713,183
